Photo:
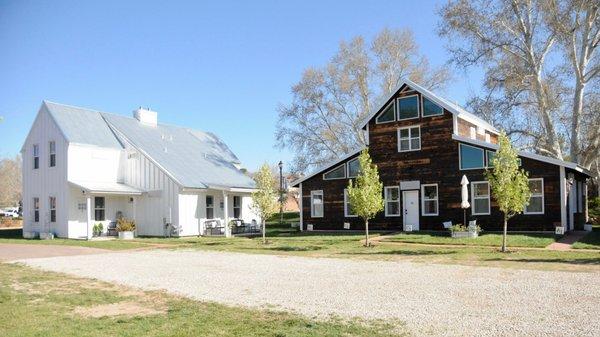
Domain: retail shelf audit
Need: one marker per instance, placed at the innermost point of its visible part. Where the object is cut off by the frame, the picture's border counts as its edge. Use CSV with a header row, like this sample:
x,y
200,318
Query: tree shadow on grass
x,y
295,248
406,252
581,261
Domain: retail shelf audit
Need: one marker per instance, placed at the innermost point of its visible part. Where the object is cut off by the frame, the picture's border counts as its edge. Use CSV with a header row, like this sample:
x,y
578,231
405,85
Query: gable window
x,y
536,201
392,201
353,168
36,209
36,156
99,209
52,152
409,139
429,199
52,203
408,107
480,195
470,157
348,211
210,207
431,109
490,158
316,204
336,173
237,206
388,115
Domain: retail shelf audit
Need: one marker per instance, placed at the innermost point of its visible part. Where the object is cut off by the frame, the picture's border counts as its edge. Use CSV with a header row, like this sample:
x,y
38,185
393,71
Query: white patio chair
x,y
472,224
447,224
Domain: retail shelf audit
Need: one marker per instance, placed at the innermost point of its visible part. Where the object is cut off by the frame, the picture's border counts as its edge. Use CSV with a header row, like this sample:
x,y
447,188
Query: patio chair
x,y
447,224
472,224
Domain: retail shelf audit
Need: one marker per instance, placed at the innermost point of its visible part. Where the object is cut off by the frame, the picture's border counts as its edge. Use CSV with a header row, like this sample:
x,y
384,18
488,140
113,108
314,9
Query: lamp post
x,y
280,193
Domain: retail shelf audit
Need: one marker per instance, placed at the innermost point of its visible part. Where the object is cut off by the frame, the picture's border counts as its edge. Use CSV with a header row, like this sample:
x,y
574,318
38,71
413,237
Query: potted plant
x,y
460,231
125,227
98,229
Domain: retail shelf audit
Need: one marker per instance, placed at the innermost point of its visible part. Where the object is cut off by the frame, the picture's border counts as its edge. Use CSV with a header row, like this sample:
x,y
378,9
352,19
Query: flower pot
x,y
46,236
587,227
469,234
128,235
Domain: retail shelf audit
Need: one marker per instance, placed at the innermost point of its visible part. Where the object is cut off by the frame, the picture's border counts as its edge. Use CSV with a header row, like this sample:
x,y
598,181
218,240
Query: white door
x,y
410,205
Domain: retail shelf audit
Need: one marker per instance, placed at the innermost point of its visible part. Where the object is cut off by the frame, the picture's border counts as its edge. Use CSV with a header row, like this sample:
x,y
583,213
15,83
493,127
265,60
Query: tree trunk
x,y
577,110
264,232
504,234
367,243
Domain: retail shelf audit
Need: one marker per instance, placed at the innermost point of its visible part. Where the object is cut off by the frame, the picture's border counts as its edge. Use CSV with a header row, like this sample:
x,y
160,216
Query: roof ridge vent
x,y
146,116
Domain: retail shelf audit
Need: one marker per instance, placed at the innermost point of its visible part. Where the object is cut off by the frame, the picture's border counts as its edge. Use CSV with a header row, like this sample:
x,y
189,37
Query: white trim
x,y
537,196
346,203
325,167
385,189
50,209
33,151
397,107
348,167
473,197
312,204
423,108
410,138
393,103
460,158
437,200
333,169
563,197
300,204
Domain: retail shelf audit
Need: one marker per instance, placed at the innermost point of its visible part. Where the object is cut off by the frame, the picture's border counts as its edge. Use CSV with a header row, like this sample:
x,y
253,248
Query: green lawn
x,y
35,303
590,241
484,239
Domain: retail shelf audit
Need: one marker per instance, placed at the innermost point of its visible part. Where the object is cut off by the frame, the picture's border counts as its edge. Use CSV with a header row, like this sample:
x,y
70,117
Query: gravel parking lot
x,y
436,300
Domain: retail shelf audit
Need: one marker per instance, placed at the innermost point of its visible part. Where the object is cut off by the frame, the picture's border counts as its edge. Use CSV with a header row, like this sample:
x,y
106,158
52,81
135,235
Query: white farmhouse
x,y
82,167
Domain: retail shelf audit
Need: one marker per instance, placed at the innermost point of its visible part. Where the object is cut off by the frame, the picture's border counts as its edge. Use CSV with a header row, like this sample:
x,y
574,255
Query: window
x,y
490,157
52,203
210,207
470,157
536,202
348,211
36,209
237,206
36,156
480,195
409,139
429,199
99,209
316,204
336,173
408,107
52,152
388,115
353,168
431,109
392,200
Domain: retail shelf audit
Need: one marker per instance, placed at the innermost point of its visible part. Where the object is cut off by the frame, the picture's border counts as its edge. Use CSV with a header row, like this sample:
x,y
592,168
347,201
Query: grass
x,y
590,241
35,303
485,239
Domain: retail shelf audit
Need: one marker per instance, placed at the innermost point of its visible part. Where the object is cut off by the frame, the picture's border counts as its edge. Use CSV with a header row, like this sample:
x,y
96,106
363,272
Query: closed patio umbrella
x,y
464,204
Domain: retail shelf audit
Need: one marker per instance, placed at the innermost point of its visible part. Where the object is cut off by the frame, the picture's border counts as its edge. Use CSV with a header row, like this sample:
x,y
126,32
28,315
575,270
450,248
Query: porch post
x,y
89,216
301,212
133,209
226,214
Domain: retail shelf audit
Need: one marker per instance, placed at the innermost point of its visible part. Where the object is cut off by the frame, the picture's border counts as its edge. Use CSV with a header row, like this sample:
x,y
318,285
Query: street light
x,y
280,193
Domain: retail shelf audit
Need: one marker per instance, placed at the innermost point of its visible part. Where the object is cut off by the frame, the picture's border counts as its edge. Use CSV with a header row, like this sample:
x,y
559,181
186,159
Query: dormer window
x,y
431,109
388,115
36,156
408,107
336,173
353,168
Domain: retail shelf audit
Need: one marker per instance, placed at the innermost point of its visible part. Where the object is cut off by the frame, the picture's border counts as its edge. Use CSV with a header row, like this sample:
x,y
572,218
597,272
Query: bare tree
x,y
323,121
10,181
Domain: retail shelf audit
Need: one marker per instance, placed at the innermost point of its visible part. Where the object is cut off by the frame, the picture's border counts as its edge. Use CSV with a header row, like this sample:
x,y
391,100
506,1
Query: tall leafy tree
x,y
508,182
329,103
10,181
264,199
365,196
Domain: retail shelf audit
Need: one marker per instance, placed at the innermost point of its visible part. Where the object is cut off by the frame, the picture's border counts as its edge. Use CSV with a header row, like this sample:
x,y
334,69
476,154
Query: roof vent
x,y
146,116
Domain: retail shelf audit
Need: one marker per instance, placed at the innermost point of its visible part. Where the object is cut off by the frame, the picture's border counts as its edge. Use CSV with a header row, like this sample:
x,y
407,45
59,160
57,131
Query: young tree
x,y
509,183
264,200
365,196
10,181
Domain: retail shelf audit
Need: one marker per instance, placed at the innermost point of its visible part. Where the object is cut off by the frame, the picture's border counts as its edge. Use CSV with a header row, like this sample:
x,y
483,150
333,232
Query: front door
x,y
410,205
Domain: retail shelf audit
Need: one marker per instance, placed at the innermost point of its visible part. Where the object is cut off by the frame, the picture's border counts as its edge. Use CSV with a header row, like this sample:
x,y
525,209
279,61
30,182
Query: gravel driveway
x,y
438,300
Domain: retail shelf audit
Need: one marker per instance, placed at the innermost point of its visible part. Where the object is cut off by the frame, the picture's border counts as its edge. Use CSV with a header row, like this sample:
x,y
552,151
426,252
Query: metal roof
x,y
106,187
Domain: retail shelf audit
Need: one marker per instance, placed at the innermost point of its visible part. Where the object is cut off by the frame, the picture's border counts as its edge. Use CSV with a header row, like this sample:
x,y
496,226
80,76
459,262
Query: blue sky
x,y
217,66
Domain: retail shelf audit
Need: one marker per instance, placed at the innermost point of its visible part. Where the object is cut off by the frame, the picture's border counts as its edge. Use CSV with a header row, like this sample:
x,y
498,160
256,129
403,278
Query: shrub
x,y
460,228
594,210
125,225
98,229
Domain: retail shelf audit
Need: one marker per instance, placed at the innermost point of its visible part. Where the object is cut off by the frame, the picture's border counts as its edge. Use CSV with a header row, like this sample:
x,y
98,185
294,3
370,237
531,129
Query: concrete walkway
x,y
566,242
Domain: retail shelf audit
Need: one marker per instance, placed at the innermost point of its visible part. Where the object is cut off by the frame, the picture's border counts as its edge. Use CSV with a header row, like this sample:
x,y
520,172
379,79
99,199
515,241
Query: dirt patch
x,y
126,308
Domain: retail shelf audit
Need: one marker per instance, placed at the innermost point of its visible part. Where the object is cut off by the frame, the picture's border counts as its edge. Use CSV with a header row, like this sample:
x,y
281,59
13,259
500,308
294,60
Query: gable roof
x,y
326,166
451,107
195,159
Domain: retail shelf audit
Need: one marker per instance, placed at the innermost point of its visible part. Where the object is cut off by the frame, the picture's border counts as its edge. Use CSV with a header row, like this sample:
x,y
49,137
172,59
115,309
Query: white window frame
x,y
103,208
333,169
51,153
385,194
36,155
312,203
473,197
348,168
36,209
212,206
460,158
537,196
410,138
437,200
238,207
397,108
52,207
347,206
423,107
393,102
